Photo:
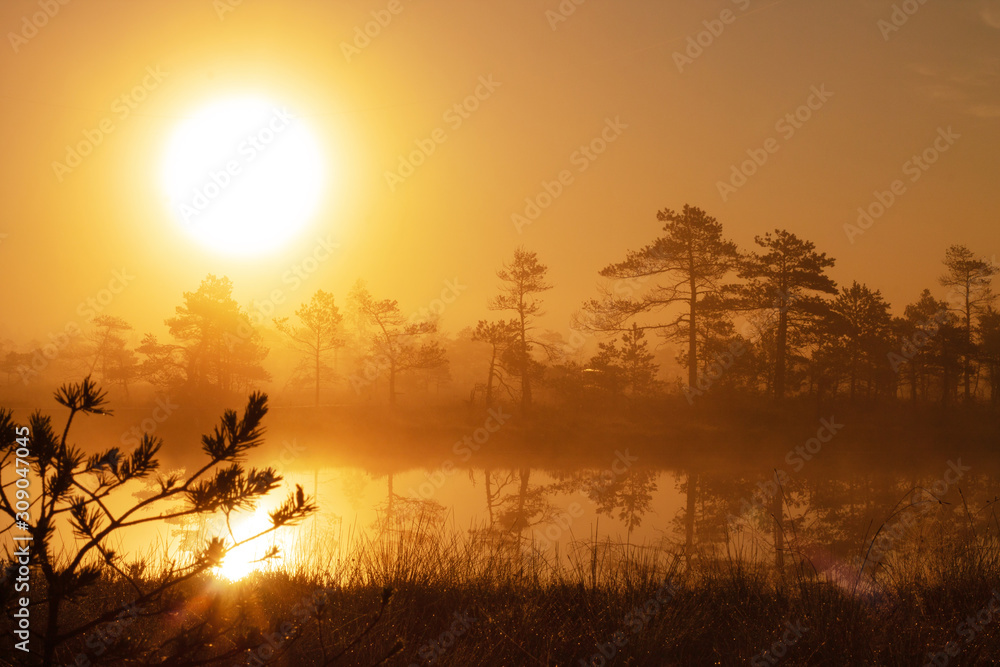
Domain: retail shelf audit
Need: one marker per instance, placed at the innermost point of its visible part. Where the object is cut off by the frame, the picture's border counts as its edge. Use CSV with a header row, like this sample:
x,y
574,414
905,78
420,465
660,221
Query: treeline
x,y
772,321
768,321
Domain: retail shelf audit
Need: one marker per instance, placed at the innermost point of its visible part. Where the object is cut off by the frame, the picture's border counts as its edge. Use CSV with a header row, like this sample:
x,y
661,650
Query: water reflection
x,y
824,522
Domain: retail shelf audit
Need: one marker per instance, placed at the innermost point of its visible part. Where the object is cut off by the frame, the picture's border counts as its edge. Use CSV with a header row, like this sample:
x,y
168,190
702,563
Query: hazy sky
x,y
679,119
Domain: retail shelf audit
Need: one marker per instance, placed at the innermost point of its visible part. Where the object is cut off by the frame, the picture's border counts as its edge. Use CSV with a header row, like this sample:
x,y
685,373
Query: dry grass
x,y
517,606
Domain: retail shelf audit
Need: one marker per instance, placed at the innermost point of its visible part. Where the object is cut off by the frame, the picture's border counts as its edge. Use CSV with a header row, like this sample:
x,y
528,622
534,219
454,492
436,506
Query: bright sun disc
x,y
243,176
242,560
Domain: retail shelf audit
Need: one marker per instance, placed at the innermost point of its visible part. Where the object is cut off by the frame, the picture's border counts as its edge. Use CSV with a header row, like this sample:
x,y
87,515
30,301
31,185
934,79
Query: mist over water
x,y
545,332
831,492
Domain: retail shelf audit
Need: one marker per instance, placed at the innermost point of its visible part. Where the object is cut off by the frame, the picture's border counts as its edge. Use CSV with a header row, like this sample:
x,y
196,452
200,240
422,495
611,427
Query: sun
x,y
250,557
243,175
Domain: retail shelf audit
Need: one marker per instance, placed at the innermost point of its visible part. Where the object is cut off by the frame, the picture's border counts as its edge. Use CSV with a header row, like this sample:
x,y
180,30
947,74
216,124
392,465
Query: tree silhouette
x,y
522,279
628,368
317,334
858,335
927,337
630,493
989,350
787,278
605,365
15,362
396,345
528,506
218,348
970,279
77,492
494,484
115,362
689,263
502,337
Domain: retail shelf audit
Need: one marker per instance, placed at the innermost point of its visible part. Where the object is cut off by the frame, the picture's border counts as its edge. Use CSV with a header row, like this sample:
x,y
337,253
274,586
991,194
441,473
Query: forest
x,y
688,315
500,334
644,476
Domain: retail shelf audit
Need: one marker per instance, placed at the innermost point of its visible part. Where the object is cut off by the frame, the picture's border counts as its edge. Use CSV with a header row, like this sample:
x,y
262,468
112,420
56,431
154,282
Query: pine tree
x,y
317,334
522,280
788,277
396,345
685,266
970,279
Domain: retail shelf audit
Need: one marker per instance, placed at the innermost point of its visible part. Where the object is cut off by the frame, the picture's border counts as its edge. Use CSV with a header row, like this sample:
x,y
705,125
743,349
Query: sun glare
x,y
243,176
243,560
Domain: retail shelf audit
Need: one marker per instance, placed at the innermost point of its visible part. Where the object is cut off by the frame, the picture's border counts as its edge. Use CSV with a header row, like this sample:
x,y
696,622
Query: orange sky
x,y
557,85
